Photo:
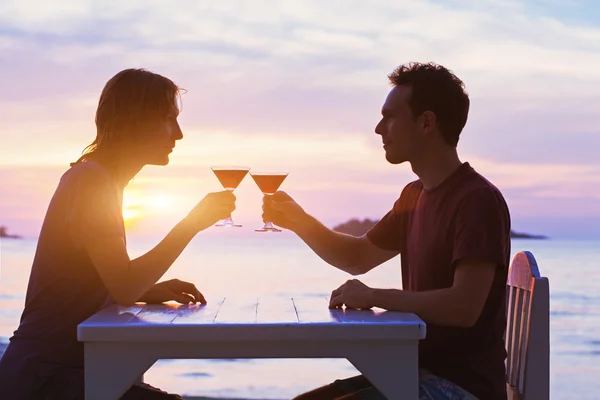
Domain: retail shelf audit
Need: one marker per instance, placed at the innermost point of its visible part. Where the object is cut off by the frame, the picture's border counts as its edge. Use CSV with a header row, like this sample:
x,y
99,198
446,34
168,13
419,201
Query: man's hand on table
x,y
353,294
174,289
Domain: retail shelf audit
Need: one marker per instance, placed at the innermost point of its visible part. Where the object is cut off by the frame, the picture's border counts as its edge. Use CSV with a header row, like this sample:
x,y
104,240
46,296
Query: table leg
x,y
140,379
112,368
393,368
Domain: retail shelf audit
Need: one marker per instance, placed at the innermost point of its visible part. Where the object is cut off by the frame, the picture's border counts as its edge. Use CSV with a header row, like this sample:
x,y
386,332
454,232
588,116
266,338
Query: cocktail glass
x,y
230,178
268,183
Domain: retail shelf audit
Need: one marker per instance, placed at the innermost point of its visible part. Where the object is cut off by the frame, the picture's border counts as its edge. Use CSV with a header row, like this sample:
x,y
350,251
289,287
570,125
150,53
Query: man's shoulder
x,y
415,185
409,195
475,184
411,189
478,194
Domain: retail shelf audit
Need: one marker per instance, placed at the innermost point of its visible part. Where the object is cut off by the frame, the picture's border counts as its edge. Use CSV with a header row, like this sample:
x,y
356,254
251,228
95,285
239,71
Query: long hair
x,y
130,101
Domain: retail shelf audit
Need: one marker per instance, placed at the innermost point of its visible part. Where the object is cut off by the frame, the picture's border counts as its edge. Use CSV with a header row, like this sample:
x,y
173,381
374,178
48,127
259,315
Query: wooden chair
x,y
528,331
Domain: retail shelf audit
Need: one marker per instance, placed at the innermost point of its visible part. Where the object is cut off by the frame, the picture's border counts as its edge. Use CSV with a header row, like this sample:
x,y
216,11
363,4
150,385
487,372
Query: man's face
x,y
398,127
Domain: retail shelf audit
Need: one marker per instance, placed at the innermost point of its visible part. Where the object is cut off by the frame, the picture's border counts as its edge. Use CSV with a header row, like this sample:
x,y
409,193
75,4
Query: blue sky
x,y
299,85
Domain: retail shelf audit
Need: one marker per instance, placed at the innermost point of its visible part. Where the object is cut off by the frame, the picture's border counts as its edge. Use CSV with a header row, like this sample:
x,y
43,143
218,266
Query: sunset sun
x,y
136,205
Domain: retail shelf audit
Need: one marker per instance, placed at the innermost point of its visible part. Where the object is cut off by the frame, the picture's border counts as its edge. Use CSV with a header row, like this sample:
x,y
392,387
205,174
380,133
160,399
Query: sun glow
x,y
161,203
130,214
136,205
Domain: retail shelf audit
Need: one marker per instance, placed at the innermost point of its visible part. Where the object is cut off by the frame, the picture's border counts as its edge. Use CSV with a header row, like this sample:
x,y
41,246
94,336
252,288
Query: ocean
x,y
243,263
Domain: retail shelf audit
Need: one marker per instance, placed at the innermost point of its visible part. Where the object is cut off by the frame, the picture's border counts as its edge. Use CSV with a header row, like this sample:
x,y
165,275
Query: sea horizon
x,y
281,265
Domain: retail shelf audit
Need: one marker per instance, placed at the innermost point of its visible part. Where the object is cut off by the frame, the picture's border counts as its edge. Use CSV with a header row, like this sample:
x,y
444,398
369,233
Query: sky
x,y
297,86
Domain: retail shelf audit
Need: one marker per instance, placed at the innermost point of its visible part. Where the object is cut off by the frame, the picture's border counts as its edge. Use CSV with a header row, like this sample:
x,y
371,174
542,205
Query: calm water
x,y
243,263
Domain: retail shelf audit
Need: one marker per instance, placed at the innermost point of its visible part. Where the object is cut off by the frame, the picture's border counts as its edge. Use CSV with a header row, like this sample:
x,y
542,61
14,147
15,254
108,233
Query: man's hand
x,y
282,210
353,294
179,291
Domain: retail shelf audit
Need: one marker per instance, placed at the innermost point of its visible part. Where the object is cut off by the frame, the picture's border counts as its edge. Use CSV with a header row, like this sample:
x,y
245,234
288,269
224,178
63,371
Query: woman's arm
x,y
127,280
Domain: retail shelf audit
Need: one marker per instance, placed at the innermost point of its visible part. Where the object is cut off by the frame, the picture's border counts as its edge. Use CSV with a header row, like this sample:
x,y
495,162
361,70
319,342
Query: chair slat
x,y
521,295
516,333
523,336
509,335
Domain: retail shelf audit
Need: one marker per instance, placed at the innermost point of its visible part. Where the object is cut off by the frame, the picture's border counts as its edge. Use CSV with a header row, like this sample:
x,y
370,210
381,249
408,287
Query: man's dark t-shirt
x,y
64,288
464,218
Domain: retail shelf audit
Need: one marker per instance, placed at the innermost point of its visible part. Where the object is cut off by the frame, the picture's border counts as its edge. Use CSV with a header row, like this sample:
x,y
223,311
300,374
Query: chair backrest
x,y
527,336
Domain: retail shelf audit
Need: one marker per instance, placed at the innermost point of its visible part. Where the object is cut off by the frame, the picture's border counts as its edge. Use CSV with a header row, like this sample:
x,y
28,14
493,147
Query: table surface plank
x,y
198,314
230,318
237,310
272,310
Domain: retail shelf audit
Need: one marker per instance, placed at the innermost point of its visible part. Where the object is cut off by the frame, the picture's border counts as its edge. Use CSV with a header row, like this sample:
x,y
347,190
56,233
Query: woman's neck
x,y
122,172
125,173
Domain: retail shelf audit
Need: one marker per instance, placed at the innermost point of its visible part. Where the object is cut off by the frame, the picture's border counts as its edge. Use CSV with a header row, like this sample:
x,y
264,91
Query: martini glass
x,y
268,183
230,178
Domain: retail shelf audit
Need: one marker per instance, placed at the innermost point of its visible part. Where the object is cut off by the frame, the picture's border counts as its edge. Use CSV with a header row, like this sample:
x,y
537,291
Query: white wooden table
x,y
121,343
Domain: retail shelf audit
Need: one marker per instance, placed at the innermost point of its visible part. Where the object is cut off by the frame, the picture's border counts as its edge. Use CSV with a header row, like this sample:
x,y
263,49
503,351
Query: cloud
x,y
300,84
322,46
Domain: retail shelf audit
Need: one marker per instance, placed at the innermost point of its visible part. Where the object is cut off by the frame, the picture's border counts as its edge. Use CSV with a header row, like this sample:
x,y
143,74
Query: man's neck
x,y
435,167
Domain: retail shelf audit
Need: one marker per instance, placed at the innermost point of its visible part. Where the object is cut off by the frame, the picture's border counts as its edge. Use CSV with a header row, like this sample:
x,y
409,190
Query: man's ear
x,y
428,121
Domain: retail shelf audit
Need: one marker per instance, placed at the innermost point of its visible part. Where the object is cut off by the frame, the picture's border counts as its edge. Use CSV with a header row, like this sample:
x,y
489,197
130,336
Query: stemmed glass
x,y
230,178
268,183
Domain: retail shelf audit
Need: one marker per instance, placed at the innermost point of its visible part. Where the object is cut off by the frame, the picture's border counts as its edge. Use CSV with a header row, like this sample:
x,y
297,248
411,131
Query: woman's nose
x,y
177,133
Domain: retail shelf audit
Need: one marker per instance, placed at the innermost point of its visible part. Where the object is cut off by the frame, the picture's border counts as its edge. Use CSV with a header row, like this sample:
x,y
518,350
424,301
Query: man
x,y
451,228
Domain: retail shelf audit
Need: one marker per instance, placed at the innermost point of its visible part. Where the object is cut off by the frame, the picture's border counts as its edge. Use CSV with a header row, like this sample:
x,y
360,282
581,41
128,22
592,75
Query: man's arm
x,y
459,305
481,245
351,254
354,255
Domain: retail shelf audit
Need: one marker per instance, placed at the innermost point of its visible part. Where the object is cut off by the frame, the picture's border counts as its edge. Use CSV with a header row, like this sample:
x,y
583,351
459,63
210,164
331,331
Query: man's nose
x,y
379,128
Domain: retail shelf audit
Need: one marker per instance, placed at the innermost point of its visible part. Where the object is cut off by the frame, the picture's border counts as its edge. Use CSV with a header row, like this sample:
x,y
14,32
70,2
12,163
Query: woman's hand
x,y
214,207
179,291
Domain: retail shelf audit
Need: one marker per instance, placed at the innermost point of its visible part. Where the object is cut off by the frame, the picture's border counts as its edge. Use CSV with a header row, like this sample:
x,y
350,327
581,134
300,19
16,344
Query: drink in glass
x,y
230,178
268,183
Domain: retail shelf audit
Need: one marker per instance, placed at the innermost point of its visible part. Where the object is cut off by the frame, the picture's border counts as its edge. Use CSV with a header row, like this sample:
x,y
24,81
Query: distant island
x,y
356,227
5,234
521,235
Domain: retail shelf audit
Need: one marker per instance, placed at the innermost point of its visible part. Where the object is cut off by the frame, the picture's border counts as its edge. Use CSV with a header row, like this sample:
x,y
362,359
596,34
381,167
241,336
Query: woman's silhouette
x,y
81,263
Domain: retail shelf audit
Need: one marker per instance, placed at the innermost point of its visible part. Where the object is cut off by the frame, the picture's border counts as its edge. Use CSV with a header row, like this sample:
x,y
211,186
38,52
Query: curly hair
x,y
435,89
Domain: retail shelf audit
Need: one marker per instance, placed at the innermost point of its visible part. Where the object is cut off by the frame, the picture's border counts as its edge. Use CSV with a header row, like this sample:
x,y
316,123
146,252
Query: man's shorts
x,y
431,387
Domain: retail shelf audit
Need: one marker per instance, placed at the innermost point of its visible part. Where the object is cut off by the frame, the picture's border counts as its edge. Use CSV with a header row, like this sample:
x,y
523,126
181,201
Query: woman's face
x,y
158,140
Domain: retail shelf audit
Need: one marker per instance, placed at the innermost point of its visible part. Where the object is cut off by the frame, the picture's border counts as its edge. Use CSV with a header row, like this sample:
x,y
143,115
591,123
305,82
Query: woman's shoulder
x,y
87,171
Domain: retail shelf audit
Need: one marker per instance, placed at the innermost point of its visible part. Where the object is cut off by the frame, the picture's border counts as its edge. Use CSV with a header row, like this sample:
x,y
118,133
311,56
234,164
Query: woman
x,y
81,263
